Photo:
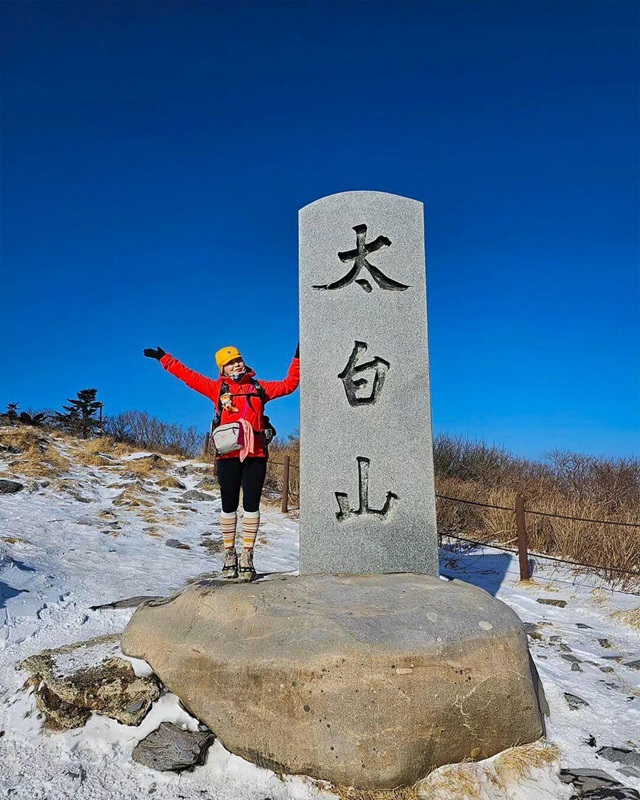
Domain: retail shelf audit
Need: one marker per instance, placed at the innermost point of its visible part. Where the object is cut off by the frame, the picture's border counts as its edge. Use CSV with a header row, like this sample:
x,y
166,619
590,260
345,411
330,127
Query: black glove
x,y
151,353
297,353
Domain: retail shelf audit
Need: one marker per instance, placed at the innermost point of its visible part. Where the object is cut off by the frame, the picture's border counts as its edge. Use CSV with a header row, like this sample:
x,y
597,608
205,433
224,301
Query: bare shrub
x,y
568,484
142,430
278,450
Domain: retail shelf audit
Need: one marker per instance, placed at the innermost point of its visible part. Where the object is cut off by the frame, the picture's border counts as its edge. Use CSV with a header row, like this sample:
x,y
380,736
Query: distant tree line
x,y
83,417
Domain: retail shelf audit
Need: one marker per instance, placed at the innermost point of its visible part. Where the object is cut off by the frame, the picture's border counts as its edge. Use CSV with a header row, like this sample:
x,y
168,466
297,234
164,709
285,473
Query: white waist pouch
x,y
228,438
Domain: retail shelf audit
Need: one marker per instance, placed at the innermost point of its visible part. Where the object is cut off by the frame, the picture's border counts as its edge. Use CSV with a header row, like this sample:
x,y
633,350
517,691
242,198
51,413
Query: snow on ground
x,y
66,548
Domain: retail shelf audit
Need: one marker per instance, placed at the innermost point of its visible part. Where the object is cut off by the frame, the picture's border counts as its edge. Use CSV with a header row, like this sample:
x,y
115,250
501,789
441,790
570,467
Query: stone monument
x,y
366,462
368,670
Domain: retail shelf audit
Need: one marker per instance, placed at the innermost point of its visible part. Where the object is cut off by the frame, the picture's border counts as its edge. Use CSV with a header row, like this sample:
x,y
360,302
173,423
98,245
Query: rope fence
x,y
547,558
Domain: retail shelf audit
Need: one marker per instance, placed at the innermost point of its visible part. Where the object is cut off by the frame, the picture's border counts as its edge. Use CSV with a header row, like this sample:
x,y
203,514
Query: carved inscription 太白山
x,y
368,376
359,257
363,492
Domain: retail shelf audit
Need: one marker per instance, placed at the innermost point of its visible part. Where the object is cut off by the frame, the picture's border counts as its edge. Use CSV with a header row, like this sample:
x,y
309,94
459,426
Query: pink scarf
x,y
248,439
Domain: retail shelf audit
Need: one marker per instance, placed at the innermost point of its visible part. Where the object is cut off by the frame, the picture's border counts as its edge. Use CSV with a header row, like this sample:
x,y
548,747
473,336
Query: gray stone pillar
x,y
366,473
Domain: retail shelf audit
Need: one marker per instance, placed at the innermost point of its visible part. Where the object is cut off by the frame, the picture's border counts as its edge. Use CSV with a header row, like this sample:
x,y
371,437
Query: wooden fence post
x,y
206,445
285,485
521,530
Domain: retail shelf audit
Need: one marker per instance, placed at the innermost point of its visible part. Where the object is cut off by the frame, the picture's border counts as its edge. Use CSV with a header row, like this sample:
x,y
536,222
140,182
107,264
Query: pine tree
x,y
11,414
80,418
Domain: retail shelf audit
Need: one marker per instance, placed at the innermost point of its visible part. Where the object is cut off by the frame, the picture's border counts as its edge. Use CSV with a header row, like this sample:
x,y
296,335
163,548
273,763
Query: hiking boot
x,y
246,571
230,566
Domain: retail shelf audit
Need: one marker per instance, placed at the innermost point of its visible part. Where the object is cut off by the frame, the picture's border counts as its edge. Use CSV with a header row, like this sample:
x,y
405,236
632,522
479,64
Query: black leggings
x,y
232,474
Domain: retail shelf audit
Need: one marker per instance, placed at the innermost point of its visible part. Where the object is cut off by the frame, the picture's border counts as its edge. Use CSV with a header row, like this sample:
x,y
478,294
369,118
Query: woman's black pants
x,y
248,474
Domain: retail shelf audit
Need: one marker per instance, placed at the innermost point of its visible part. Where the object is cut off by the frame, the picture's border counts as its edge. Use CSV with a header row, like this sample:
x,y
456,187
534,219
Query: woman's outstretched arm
x,y
275,389
194,380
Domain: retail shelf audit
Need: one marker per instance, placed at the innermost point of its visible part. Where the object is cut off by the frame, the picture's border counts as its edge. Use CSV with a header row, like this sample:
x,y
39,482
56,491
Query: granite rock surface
x,y
369,681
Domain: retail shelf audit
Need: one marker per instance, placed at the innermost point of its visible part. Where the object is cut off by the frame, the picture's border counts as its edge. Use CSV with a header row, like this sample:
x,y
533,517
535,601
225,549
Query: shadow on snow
x,y
487,571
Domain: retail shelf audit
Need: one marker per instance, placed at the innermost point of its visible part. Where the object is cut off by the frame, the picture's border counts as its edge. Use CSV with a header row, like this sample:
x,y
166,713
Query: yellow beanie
x,y
225,355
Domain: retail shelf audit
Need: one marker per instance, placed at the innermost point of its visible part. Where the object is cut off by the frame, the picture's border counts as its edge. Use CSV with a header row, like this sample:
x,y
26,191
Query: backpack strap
x,y
260,392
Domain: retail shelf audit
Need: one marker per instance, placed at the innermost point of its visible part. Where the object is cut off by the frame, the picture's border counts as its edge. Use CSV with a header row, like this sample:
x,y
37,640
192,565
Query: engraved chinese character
x,y
363,490
359,257
369,374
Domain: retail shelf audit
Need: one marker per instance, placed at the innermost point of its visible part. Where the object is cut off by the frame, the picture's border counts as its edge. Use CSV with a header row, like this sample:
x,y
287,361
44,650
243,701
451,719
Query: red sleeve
x,y
194,380
275,389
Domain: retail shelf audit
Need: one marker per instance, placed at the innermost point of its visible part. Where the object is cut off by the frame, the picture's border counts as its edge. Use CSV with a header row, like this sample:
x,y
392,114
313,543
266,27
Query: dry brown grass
x,y
472,781
154,532
349,793
99,452
105,444
614,548
21,438
147,466
170,483
518,762
453,782
38,455
132,496
92,459
629,617
157,517
277,452
13,540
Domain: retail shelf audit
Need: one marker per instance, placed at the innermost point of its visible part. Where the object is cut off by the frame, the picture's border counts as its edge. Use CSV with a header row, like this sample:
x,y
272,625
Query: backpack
x,y
269,430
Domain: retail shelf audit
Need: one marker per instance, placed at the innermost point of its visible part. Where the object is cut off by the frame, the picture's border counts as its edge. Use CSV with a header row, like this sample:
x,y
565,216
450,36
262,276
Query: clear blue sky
x,y
155,156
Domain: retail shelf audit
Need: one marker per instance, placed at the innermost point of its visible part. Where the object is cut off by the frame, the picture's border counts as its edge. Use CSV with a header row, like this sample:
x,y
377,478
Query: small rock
x,y
574,701
194,494
129,602
620,755
551,601
619,792
572,659
171,748
630,772
186,469
214,546
10,487
530,627
575,667
177,544
587,780
583,626
633,664
604,643
555,638
73,681
606,669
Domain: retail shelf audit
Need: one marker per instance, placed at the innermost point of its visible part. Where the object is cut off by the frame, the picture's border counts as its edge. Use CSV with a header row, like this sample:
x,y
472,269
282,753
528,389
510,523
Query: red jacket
x,y
253,406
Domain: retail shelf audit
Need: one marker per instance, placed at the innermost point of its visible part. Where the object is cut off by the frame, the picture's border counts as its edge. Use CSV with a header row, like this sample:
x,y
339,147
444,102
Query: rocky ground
x,y
87,533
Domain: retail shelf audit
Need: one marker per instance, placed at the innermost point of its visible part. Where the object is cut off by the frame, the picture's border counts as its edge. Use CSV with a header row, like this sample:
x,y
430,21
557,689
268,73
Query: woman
x,y
238,398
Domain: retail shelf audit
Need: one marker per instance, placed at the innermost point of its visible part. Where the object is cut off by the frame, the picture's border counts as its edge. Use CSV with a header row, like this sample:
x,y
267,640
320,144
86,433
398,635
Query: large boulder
x,y
370,681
